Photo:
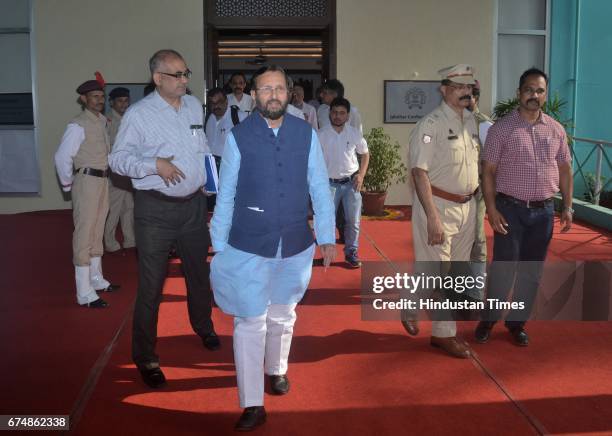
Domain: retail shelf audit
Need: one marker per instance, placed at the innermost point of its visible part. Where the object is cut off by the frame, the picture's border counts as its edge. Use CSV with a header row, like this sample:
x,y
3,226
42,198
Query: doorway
x,y
302,53
298,36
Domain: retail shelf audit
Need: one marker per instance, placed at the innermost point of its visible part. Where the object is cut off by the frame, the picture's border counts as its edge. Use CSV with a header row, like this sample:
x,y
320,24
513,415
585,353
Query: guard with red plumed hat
x,y
81,162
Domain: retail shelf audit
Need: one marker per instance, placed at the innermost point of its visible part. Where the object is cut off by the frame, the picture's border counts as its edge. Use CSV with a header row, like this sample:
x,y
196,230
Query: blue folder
x,y
212,178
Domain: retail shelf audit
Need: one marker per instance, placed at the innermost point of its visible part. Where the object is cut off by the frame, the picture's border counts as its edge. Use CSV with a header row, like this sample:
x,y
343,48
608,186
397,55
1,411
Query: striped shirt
x,y
152,128
527,156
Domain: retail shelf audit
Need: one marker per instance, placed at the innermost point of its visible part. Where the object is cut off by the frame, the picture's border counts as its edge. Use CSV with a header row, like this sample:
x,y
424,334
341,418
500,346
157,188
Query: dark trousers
x,y
158,225
518,258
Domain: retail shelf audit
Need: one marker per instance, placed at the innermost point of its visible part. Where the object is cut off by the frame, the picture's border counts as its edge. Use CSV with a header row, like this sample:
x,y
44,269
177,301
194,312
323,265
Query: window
x,y
522,42
19,171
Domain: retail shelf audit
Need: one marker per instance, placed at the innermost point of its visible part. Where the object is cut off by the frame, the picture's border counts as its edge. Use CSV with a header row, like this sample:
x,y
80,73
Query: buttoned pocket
x,y
549,148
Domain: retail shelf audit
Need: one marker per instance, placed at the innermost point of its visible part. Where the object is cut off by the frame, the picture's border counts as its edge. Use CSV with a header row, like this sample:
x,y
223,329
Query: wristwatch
x,y
569,209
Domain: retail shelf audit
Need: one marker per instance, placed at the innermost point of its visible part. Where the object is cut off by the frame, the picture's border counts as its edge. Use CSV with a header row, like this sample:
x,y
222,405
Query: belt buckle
x,y
528,204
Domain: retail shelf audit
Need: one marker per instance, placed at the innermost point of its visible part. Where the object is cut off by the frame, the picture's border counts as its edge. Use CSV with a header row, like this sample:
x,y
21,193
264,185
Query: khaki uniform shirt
x,y
446,147
93,152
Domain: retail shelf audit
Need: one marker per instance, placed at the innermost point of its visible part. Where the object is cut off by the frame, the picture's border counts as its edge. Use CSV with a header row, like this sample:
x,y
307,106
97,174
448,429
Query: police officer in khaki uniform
x,y
444,163
81,162
121,198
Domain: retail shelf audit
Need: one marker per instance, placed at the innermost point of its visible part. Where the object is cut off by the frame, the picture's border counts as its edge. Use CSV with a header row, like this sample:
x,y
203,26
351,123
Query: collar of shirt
x,y
341,132
100,118
518,119
114,115
161,104
452,115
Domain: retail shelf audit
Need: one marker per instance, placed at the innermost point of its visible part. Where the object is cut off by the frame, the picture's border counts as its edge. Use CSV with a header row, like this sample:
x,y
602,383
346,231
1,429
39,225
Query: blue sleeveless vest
x,y
272,195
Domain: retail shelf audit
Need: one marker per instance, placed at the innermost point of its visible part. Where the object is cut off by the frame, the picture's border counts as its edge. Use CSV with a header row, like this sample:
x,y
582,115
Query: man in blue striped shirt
x,y
161,145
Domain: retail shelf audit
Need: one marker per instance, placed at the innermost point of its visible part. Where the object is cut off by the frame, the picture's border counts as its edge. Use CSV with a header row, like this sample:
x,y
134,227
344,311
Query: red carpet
x,y
348,376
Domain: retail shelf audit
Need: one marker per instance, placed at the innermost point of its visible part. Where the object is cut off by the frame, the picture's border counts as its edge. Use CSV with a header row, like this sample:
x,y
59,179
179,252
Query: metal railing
x,y
601,149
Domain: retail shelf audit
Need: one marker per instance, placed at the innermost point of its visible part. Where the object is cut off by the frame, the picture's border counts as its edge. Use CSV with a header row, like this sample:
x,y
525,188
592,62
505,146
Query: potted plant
x,y
385,168
605,197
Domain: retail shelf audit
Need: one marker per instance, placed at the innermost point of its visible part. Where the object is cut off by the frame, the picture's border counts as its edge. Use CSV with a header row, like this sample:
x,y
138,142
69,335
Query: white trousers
x,y
261,346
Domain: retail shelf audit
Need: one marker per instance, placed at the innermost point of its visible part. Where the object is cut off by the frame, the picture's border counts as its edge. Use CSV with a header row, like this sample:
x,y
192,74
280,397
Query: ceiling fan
x,y
260,59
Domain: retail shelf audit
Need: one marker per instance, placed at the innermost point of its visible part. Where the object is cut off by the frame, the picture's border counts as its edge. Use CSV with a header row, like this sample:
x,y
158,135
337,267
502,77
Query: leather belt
x,y
93,172
457,198
170,198
344,179
529,204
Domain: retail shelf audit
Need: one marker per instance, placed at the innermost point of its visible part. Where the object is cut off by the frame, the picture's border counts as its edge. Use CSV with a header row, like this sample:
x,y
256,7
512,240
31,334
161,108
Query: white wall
x,y
393,39
75,38
410,40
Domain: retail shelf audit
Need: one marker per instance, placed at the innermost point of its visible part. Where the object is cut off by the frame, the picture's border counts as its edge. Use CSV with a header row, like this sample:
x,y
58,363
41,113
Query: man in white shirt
x,y
238,98
341,143
220,120
310,113
295,112
82,167
332,89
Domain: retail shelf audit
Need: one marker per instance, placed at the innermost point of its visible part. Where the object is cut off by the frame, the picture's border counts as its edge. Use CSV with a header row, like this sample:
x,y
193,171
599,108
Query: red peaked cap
x,y
92,85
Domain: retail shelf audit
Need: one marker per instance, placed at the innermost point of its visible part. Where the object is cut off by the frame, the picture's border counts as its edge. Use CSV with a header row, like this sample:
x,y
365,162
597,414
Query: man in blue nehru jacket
x,y
272,166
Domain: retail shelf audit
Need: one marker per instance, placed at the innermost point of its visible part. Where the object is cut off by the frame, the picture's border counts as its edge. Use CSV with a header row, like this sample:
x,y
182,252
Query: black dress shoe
x,y
251,418
520,336
211,341
109,288
279,384
411,327
97,304
483,331
153,377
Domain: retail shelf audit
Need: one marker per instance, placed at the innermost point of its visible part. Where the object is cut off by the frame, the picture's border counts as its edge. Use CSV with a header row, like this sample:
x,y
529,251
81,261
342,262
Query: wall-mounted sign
x,y
407,101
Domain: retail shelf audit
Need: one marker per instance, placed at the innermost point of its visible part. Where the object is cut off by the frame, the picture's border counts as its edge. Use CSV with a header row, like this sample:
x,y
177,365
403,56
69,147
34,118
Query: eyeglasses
x,y
179,74
530,91
268,90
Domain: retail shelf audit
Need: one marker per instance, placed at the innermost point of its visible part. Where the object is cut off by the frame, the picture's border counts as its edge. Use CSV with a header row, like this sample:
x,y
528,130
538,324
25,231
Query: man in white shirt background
x,y
310,113
341,144
238,97
332,89
220,118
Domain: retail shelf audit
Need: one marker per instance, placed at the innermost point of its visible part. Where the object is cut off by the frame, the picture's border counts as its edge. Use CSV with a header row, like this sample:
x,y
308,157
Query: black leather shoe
x,y
211,341
520,336
411,327
109,288
97,304
483,331
279,384
251,418
153,377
